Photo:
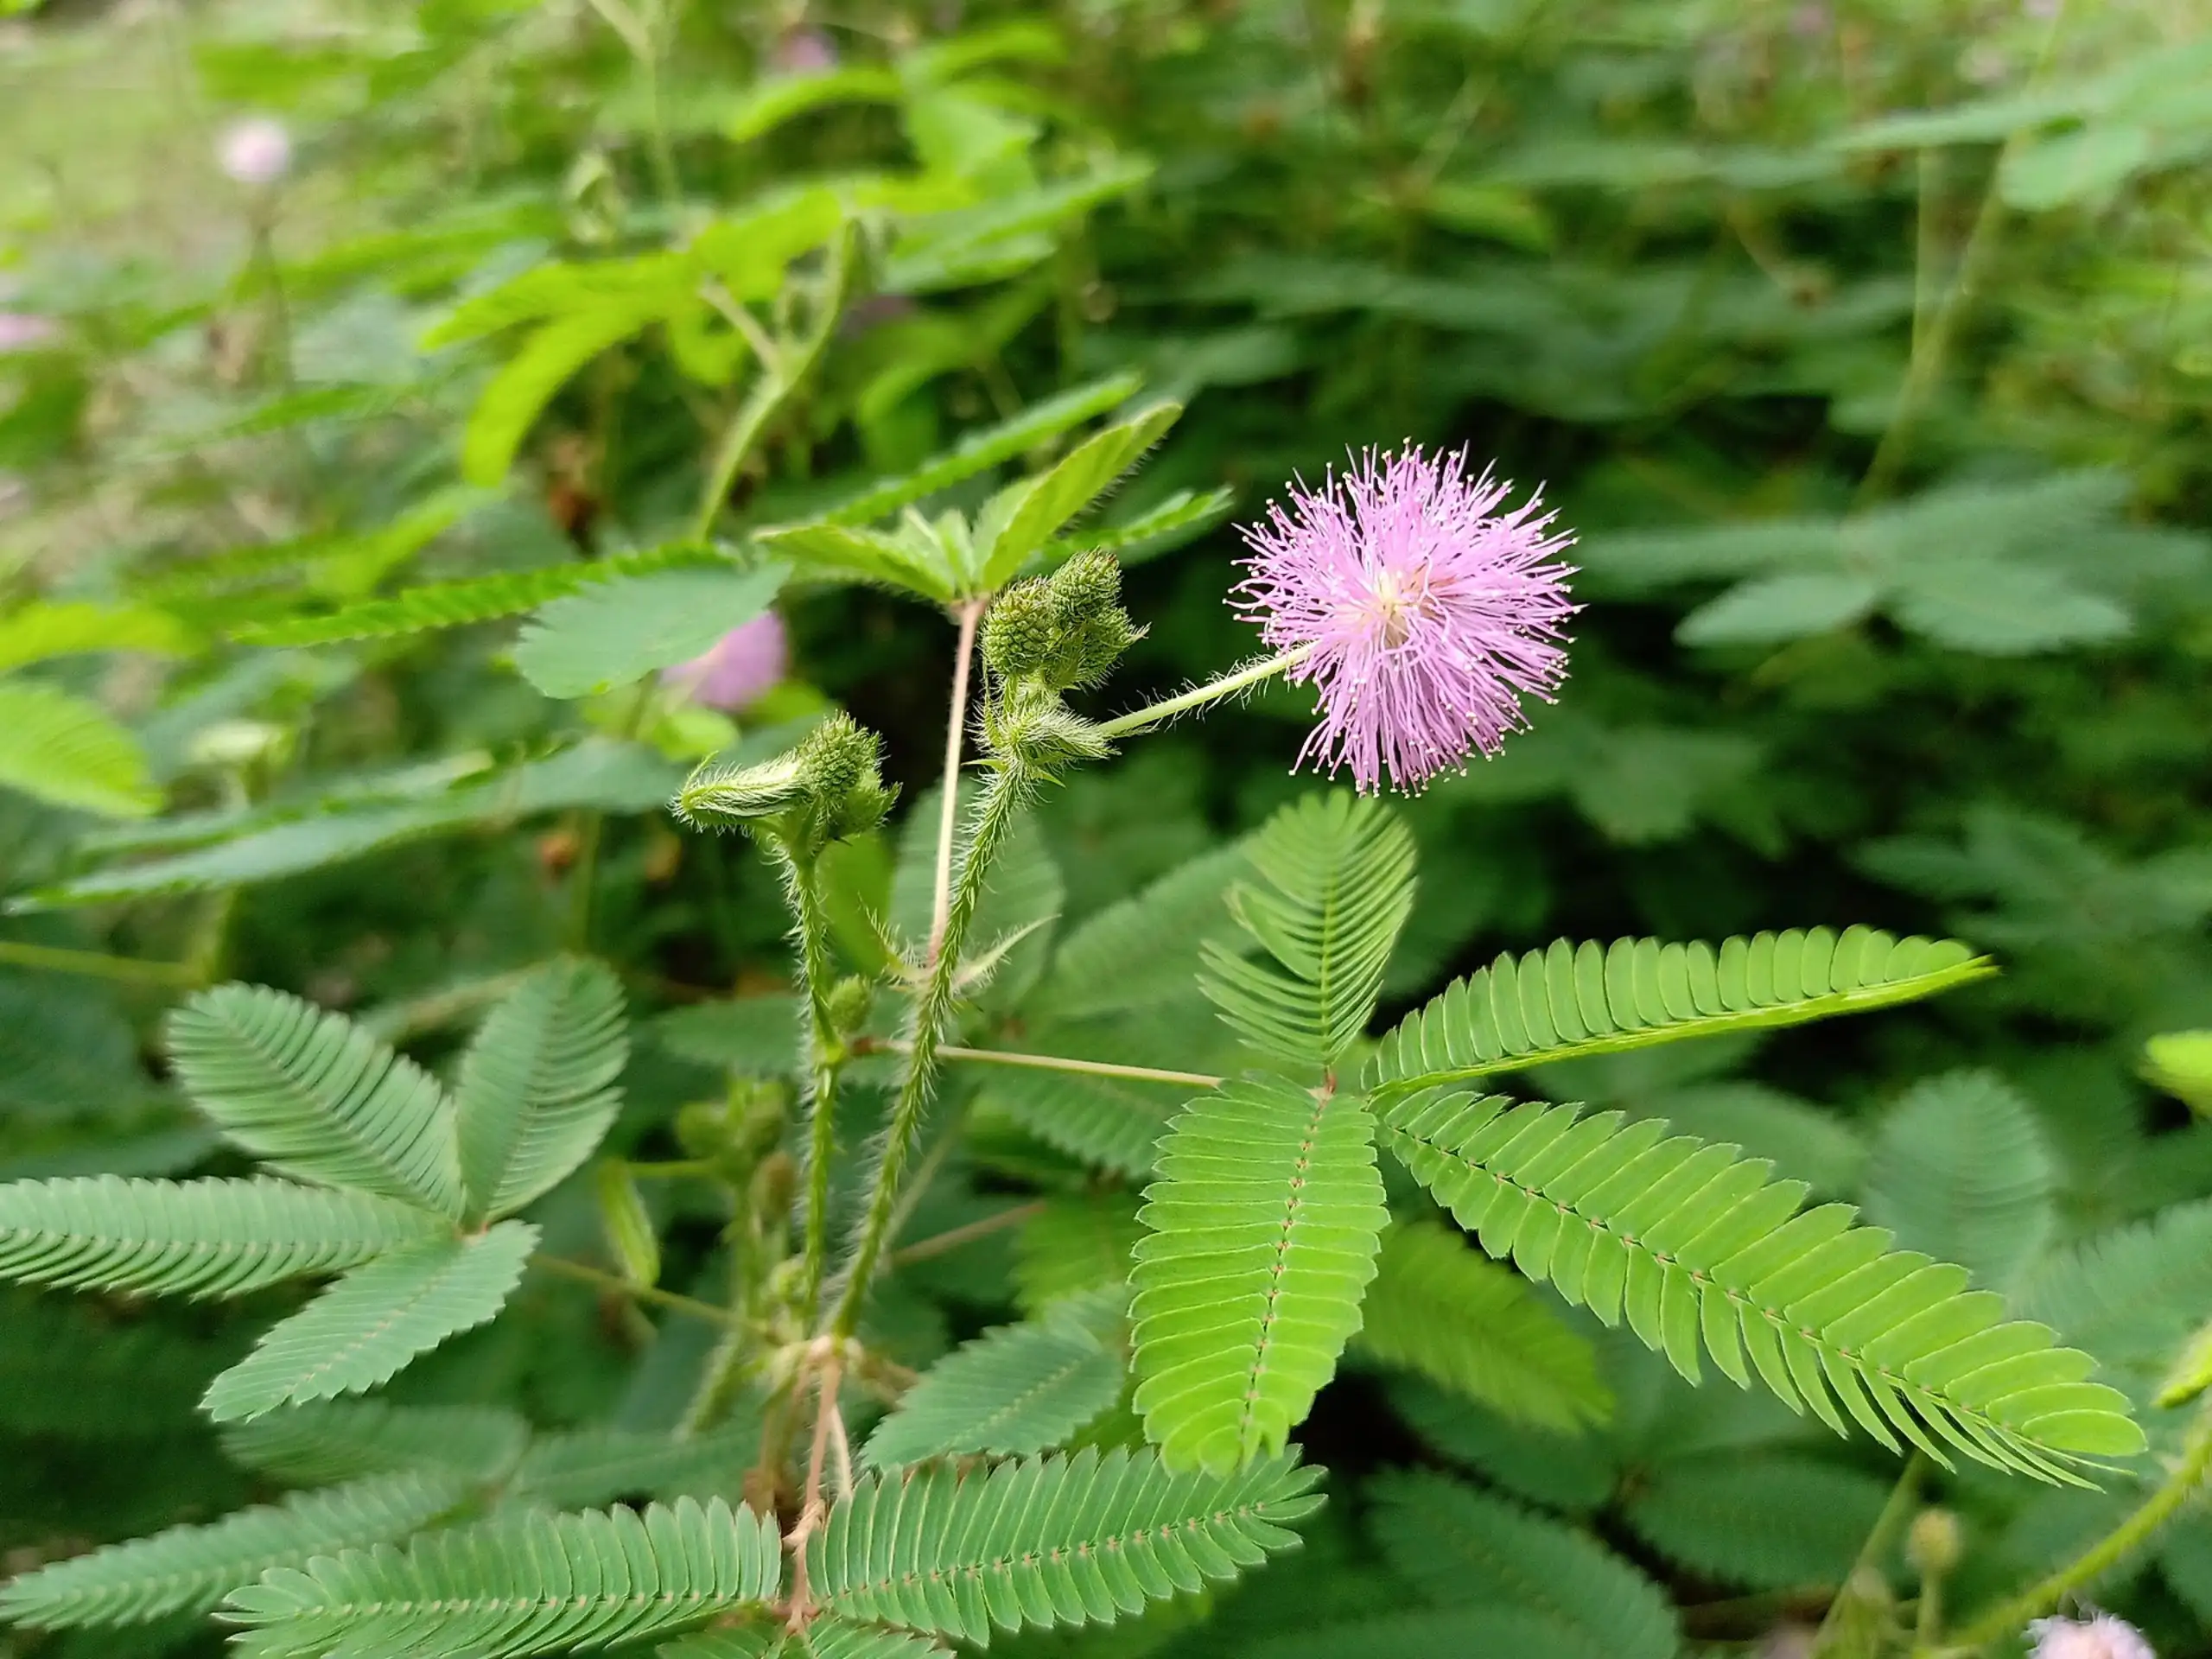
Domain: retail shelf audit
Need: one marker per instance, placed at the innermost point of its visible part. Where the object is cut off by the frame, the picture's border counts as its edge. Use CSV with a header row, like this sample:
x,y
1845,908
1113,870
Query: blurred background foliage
x,y
1867,345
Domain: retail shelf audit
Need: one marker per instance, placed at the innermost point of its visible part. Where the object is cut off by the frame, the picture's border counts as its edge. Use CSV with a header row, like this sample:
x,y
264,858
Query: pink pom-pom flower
x,y
748,661
1426,606
2099,1636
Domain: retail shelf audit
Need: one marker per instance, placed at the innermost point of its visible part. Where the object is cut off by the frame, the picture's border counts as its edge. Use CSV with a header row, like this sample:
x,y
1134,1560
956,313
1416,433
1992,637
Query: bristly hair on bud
x,y
1063,631
1426,609
828,788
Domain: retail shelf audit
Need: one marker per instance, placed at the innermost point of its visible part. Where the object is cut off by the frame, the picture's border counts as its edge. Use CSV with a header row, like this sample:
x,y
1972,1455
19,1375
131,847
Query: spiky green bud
x,y
1022,631
827,789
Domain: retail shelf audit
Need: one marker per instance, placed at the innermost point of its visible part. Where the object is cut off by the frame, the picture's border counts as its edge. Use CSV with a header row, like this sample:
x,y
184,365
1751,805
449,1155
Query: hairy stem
x,y
2008,1617
1005,792
956,729
825,1061
773,386
1225,685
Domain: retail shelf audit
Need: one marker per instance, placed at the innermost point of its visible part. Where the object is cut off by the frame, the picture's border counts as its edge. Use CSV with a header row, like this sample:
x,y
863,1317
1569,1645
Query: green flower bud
x,y
1022,631
828,788
1084,587
849,1001
1932,1543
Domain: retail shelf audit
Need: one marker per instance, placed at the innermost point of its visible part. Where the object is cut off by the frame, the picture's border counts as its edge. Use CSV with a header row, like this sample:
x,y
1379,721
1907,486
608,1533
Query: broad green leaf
x,y
368,1325
2004,610
2180,1062
860,555
626,1223
1787,604
614,632
1047,504
2055,170
770,103
67,751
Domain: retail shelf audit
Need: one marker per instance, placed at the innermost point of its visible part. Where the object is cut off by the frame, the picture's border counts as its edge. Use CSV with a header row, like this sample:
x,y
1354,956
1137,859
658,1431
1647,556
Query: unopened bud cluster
x,y
1062,631
828,788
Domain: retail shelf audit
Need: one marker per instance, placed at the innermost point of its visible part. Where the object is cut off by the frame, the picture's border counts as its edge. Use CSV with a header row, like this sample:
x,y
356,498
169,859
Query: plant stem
x,y
956,729
99,964
771,387
1227,685
825,1059
585,1275
1880,1541
1005,792
2010,1615
1088,1068
953,1238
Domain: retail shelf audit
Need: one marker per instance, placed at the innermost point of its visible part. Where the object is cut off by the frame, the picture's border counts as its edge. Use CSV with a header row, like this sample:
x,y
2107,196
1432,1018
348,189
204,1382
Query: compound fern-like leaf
x,y
523,1584
1113,1122
827,1638
589,1467
1263,1235
1775,1523
349,1440
315,1096
1695,1246
191,1569
452,604
361,1331
196,1238
1336,885
1440,1308
1056,1540
538,1086
1574,999
1466,1547
66,751
1017,1389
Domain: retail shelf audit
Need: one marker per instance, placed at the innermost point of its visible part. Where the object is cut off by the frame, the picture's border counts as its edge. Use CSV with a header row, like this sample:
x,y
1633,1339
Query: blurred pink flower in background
x,y
743,664
255,151
21,331
2099,1636
805,52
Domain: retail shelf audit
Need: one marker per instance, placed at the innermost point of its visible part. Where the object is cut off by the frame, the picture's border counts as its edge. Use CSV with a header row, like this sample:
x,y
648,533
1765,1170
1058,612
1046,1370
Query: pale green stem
x,y
956,729
584,1274
1088,1068
2009,1618
54,958
1005,792
825,1061
774,384
1228,685
941,1243
1880,1539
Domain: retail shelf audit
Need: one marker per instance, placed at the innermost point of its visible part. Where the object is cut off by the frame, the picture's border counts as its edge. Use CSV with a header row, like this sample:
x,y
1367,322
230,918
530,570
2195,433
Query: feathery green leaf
x,y
588,1467
1777,1522
315,1096
1574,999
1959,1169
1439,1308
525,1583
1114,1122
347,1440
1465,1547
1336,885
1698,1247
370,1324
612,633
196,1238
1053,1541
67,751
1017,1389
192,1568
1262,1232
475,598
538,1087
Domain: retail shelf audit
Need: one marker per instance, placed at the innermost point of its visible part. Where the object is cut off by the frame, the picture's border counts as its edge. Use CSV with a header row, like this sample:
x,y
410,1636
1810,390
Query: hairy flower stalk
x,y
1007,790
1426,609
